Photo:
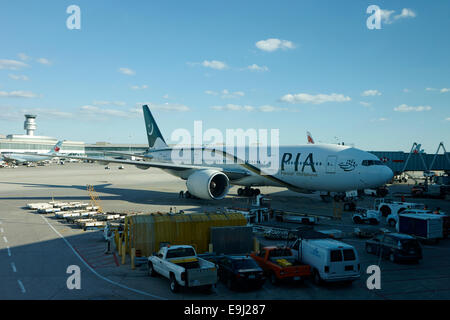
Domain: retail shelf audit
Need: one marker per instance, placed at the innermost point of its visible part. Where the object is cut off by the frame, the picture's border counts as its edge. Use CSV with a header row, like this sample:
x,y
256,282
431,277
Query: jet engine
x,y
208,184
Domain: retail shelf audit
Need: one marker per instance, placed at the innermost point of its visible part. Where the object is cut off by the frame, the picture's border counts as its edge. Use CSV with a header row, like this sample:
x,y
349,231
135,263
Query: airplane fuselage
x,y
24,158
300,168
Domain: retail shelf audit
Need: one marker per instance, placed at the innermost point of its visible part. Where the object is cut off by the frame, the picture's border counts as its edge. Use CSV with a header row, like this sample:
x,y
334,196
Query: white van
x,y
330,260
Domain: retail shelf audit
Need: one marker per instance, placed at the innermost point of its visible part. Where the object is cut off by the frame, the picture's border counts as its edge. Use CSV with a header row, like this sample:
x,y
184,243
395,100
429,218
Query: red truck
x,y
279,264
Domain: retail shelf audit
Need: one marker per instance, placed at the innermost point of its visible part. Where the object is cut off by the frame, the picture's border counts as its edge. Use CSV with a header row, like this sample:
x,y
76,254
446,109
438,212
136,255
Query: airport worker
x,y
109,237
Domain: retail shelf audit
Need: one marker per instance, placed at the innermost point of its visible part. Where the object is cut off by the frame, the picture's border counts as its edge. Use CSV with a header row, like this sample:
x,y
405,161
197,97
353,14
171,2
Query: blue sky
x,y
288,65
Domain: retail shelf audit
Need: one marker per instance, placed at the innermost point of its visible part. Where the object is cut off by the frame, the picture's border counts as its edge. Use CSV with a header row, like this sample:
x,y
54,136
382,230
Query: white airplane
x,y
304,169
29,158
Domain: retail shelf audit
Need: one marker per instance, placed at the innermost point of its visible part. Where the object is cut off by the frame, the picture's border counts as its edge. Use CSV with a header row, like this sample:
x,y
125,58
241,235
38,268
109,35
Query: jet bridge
x,y
415,160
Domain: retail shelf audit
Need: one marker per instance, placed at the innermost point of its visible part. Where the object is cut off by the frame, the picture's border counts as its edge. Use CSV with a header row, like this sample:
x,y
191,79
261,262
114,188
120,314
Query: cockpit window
x,y
372,163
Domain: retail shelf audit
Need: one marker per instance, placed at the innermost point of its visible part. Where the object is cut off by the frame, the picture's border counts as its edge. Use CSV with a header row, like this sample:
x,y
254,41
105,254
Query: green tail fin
x,y
155,138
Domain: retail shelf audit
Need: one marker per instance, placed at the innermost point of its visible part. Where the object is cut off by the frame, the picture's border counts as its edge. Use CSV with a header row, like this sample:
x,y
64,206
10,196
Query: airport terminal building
x,y
36,144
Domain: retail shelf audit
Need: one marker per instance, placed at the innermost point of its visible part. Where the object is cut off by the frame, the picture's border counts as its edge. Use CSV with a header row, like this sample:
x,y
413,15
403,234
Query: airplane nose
x,y
388,174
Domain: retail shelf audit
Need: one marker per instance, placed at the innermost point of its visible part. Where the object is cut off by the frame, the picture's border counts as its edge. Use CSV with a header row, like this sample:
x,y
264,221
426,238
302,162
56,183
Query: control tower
x,y
30,124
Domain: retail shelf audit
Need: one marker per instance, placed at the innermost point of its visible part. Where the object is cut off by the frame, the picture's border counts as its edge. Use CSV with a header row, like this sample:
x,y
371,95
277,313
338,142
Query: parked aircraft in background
x,y
29,158
305,169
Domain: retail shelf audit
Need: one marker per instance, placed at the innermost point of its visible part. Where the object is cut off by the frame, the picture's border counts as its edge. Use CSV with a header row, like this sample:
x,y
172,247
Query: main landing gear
x,y
326,197
187,195
248,192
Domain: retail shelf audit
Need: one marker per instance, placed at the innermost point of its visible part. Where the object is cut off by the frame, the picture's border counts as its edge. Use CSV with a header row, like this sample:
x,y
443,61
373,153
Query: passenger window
x,y
335,255
349,255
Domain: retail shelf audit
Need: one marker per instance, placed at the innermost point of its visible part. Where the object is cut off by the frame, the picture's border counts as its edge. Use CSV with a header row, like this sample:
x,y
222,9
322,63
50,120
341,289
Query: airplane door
x,y
331,164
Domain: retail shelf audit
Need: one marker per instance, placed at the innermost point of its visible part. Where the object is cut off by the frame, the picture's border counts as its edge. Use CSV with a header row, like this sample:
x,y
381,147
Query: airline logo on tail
x,y
309,137
417,149
57,147
154,136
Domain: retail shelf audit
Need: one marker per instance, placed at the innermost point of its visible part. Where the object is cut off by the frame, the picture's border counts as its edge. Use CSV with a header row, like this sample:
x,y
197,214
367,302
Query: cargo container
x,y
423,226
149,232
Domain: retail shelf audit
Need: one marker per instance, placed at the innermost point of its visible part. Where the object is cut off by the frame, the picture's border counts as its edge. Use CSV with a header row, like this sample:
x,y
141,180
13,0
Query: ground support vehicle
x,y
181,265
279,264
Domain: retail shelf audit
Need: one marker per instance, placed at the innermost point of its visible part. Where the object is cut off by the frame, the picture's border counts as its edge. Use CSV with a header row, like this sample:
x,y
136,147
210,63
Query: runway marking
x,y
95,272
6,240
1,230
9,251
22,288
13,266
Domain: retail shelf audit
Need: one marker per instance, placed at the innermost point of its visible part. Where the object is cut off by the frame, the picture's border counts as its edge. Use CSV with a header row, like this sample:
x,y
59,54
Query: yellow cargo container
x,y
146,232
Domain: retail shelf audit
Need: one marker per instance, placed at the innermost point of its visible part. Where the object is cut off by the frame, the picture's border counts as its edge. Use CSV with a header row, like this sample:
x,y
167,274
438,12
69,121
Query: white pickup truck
x,y
181,265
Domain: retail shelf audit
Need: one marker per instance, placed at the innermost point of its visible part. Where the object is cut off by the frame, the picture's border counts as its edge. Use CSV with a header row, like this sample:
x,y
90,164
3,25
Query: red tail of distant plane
x,y
309,137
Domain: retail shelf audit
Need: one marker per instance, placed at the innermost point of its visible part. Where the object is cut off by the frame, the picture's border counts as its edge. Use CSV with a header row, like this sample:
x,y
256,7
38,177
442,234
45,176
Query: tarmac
x,y
37,250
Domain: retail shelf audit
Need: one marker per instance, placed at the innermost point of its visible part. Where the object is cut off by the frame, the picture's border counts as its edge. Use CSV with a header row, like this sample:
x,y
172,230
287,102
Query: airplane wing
x,y
137,155
233,174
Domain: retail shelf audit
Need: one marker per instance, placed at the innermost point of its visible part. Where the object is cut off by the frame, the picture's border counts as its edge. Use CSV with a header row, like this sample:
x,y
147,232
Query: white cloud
x,y
406,90
443,90
274,44
447,119
379,120
406,108
127,71
406,13
18,94
214,64
255,67
268,108
388,17
247,108
166,96
162,106
144,86
314,99
225,93
18,77
23,56
109,103
365,104
44,61
96,111
12,64
212,93
233,107
49,113
15,113
371,93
